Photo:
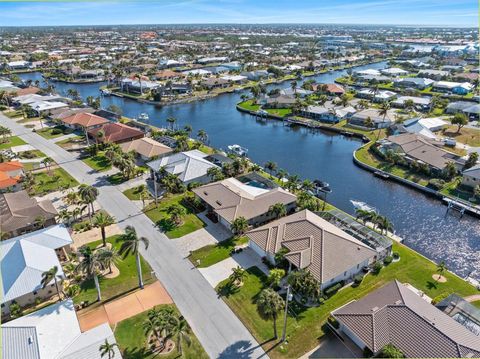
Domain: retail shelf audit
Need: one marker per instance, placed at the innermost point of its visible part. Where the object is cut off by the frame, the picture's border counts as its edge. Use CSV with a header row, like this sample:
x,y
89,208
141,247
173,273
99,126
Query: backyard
x,y
215,253
306,326
131,338
159,215
124,282
52,180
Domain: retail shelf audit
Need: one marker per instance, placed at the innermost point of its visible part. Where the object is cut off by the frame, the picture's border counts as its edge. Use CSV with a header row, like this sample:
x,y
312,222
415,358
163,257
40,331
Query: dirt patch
x,y
439,278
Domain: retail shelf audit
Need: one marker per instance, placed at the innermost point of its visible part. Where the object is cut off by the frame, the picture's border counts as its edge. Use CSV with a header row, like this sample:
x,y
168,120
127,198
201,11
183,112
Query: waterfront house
x,y
25,258
231,198
471,177
190,166
256,75
367,72
19,212
326,113
169,63
146,148
18,65
280,101
83,121
135,86
453,87
214,82
394,72
114,132
10,176
420,103
414,147
424,126
175,89
165,75
471,109
54,332
330,254
396,315
62,113
361,118
419,83
433,74
235,79
376,96
330,89
295,92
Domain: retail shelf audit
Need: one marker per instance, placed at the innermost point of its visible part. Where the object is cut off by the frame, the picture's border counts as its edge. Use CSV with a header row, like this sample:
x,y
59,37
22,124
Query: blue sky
x,y
398,12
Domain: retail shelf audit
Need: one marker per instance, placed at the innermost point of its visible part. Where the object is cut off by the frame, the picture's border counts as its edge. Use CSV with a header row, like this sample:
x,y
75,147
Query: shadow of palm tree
x,y
166,224
431,285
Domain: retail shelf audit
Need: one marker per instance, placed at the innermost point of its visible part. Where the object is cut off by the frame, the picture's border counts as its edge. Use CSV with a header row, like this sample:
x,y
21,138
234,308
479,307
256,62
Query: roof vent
x,y
205,193
30,340
359,248
218,202
374,309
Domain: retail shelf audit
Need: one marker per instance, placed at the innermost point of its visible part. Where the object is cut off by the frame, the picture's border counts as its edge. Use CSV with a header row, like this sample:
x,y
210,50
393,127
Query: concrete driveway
x,y
222,270
332,347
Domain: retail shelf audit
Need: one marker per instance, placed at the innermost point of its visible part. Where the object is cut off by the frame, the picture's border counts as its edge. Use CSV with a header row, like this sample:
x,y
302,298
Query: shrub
x,y
367,353
15,310
3,107
377,267
56,131
358,279
440,297
436,183
333,289
333,322
321,300
387,260
396,255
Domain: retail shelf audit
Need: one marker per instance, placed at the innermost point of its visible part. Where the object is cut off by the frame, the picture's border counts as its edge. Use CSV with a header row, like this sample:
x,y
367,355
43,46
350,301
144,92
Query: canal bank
x,y
311,153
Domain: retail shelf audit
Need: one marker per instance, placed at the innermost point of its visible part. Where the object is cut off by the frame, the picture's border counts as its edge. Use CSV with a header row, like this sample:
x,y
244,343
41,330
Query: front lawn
x,y
124,282
131,339
98,162
11,142
71,142
160,216
468,136
214,253
306,327
54,132
133,194
31,154
53,180
117,178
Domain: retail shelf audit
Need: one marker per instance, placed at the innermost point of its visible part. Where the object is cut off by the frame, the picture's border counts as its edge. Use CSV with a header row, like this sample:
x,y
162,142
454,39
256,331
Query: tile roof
x,y
313,243
146,146
232,199
116,132
396,315
85,119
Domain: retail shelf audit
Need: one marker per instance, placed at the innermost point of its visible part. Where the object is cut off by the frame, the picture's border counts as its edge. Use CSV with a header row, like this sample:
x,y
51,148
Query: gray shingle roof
x,y
396,315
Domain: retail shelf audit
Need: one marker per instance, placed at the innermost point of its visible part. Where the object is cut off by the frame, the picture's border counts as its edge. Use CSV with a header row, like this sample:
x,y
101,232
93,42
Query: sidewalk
x,y
125,307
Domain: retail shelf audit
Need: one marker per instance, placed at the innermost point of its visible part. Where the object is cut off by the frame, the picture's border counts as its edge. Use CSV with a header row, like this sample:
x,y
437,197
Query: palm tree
x,y
103,220
441,268
181,330
107,349
139,78
383,111
277,210
90,263
292,183
215,174
202,136
131,245
176,213
108,257
281,174
269,304
188,129
144,194
239,226
384,224
308,185
47,162
88,195
270,167
238,275
40,221
171,121
50,275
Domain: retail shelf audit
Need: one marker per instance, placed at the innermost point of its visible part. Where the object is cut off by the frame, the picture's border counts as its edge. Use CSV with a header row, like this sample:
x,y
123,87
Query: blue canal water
x,y
419,219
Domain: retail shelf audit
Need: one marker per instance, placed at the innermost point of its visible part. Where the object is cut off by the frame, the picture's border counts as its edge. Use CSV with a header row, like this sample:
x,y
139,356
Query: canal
x,y
419,219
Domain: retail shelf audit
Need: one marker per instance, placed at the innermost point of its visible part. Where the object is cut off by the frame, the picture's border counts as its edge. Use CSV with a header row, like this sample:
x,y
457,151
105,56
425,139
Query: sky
x,y
394,12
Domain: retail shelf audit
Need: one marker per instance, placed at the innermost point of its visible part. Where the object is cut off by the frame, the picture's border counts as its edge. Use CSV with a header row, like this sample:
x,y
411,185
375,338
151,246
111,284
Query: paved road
x,y
221,333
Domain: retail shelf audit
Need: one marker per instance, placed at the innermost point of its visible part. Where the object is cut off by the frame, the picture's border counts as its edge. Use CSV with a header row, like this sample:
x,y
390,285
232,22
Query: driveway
x,y
218,329
222,270
332,347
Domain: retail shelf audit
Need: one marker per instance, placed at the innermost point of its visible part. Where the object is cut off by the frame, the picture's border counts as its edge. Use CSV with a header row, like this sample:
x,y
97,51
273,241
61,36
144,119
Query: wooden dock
x,y
460,207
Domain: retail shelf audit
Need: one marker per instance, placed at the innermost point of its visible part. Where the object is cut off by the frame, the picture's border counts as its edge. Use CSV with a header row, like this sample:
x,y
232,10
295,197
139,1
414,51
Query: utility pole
x,y
287,299
155,187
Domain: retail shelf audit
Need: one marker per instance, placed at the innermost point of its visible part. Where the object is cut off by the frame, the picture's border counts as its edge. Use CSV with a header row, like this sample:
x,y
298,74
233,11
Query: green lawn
x,y
116,178
11,142
476,304
126,281
306,327
98,162
468,136
46,182
133,194
131,339
31,154
454,189
371,134
50,132
215,253
69,142
160,216
279,111
248,105
13,114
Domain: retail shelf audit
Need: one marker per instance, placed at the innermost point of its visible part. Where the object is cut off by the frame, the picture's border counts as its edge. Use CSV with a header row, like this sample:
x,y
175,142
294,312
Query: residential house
x,y
471,109
419,83
146,148
424,126
314,244
396,315
419,103
136,86
280,101
235,79
256,75
361,118
165,75
433,74
230,199
376,96
214,82
190,166
84,121
60,114
330,114
11,176
471,177
453,87
330,89
18,65
54,333
394,72
23,261
115,132
295,92
414,147
367,72
19,212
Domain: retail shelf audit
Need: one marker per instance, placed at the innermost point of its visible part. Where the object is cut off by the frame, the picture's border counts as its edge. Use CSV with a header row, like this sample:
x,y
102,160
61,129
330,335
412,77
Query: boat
x,y
143,117
105,92
321,187
363,206
237,150
381,174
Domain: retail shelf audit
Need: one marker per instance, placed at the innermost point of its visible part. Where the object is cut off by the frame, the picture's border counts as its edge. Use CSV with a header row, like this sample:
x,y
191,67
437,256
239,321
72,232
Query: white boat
x,y
363,206
143,117
237,150
105,92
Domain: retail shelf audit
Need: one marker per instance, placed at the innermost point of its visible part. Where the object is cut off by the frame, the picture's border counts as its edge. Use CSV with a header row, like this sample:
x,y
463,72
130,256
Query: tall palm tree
x,y
108,257
144,194
48,276
239,226
269,304
181,330
47,162
308,185
202,136
176,213
171,121
103,220
238,275
277,210
88,195
441,268
90,263
131,246
271,167
107,349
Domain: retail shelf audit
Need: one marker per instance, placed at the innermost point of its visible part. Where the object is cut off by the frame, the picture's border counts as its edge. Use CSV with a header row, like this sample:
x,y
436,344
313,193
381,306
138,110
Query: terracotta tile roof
x,y
146,146
11,166
116,132
9,173
313,244
85,119
396,315
27,91
231,199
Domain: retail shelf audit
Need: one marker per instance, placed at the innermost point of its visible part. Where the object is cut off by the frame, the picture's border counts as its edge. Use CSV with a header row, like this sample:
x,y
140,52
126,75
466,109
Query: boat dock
x,y
460,206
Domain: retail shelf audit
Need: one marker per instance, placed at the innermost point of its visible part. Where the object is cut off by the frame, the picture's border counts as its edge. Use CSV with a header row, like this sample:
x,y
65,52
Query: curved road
x,y
221,333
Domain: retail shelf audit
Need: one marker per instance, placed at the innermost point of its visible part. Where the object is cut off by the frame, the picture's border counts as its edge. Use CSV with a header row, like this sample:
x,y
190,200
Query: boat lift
x,y
455,205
